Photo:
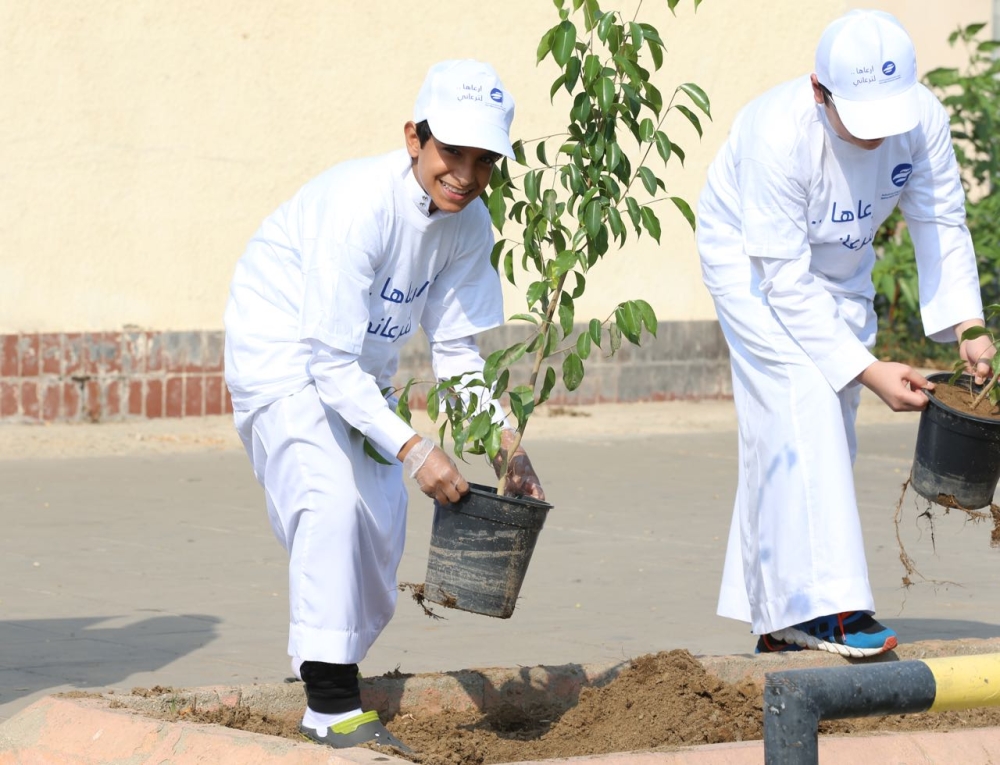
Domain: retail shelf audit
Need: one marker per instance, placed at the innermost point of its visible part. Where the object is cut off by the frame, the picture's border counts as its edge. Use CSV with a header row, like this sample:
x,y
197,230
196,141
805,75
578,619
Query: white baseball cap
x,y
465,104
867,61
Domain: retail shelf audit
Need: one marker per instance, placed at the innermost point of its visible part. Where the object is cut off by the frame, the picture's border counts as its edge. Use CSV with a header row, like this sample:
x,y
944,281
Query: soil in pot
x,y
959,397
661,701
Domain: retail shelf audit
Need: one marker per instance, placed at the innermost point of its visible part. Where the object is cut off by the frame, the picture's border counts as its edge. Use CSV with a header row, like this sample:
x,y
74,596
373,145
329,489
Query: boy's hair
x,y
423,132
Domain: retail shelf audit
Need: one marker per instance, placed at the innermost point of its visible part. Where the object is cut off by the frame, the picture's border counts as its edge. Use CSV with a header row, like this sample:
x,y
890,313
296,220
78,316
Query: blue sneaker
x,y
770,644
854,634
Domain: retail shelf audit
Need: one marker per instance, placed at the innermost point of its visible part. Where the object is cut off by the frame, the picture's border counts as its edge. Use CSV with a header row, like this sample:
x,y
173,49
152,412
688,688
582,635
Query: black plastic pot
x,y
480,550
957,454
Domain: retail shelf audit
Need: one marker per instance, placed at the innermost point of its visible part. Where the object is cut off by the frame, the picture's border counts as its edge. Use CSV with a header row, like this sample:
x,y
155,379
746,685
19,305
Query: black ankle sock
x,y
331,688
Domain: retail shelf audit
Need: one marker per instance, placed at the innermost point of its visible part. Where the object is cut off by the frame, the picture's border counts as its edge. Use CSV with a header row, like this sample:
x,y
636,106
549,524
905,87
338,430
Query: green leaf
x,y
372,452
662,145
525,317
592,69
540,153
656,51
583,345
648,316
566,311
692,117
572,370
629,321
493,443
531,185
572,73
581,284
565,261
698,96
647,128
563,42
651,222
545,45
547,384
535,292
633,212
479,427
973,332
648,179
685,209
595,332
495,254
497,206
616,224
592,217
605,94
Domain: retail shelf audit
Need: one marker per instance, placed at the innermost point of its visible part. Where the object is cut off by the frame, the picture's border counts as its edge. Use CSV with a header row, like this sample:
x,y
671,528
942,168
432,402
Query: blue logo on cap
x,y
497,95
888,68
901,173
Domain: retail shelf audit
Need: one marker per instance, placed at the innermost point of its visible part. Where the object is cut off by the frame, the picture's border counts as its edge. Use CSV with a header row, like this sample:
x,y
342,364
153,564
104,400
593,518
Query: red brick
x,y
135,397
50,348
74,355
154,398
194,396
213,394
71,400
112,399
174,403
50,400
228,408
92,405
8,356
8,399
28,345
29,399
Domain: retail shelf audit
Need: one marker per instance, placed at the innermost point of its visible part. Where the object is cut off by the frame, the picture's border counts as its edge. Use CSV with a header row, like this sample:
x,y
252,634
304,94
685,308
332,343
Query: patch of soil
x,y
660,701
960,398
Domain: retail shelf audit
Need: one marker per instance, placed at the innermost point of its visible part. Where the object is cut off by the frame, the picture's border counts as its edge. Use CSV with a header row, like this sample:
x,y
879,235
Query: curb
x,y
82,729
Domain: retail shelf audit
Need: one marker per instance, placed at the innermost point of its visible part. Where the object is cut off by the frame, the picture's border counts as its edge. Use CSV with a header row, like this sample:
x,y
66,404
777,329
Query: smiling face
x,y
835,122
453,176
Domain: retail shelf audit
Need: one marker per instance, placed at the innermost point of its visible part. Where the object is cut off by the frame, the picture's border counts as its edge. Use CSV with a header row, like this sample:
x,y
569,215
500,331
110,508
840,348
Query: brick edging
x,y
99,376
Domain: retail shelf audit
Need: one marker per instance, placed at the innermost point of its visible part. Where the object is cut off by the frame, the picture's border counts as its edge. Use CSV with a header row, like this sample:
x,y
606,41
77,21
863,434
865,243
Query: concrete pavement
x,y
129,571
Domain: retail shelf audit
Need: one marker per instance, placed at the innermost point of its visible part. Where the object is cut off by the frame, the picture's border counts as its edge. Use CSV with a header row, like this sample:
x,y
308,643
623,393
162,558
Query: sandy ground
x,y
161,436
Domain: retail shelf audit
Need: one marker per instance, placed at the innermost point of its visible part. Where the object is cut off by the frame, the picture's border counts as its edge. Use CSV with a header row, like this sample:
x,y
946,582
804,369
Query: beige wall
x,y
142,142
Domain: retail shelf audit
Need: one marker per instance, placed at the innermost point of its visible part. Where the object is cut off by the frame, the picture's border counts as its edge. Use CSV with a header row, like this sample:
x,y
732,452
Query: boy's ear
x,y
412,140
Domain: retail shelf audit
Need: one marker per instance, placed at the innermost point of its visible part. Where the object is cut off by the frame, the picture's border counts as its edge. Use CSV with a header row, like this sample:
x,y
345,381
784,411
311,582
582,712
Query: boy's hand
x,y
433,470
898,385
976,354
522,481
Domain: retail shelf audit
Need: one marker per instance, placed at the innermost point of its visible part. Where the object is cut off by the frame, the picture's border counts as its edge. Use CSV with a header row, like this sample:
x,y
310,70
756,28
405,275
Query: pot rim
x,y
945,377
491,491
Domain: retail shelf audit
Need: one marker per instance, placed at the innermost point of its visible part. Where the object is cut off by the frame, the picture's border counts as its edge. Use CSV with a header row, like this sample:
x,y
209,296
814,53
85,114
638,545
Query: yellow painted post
x,y
965,682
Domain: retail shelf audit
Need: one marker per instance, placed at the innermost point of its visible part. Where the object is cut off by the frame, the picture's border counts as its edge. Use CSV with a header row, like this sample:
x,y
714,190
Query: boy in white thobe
x,y
331,286
809,172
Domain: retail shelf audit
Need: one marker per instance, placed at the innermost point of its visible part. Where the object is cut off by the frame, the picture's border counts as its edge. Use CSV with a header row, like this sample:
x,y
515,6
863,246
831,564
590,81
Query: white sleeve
x,y
465,298
810,316
460,356
354,395
933,203
773,211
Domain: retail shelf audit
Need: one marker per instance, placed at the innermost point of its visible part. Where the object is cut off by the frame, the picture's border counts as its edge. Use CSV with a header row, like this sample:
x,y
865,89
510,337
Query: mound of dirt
x,y
660,701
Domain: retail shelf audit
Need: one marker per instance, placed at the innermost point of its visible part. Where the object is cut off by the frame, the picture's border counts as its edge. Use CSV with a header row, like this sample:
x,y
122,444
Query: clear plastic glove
x,y
522,481
435,473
